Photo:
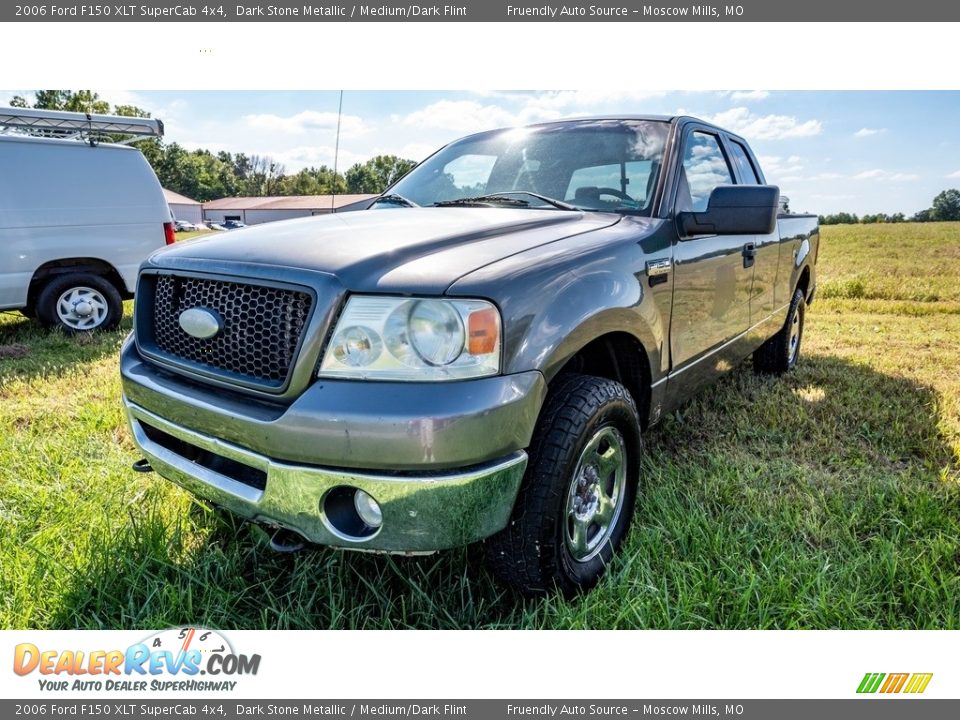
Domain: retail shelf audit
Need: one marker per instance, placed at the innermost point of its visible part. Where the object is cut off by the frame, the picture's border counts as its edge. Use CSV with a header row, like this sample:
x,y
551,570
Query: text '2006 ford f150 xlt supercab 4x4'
x,y
476,356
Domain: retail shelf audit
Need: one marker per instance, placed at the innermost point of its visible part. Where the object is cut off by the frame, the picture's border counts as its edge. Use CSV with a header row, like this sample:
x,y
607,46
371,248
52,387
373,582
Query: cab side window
x,y
704,167
747,172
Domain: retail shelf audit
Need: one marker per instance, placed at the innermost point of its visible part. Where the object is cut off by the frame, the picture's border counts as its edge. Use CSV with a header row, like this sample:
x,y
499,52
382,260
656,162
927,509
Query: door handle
x,y
749,254
657,271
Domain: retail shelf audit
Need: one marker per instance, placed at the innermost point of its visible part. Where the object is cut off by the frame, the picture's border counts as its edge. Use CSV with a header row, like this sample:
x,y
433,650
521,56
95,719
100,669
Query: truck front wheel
x,y
578,495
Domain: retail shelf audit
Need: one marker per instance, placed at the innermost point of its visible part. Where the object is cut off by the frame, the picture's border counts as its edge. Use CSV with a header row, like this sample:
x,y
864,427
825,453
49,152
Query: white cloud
x,y
307,121
460,116
867,132
749,95
885,176
465,116
953,175
783,169
743,121
583,100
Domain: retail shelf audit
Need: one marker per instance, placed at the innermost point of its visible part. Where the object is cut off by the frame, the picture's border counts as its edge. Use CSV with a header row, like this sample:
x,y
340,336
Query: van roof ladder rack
x,y
77,125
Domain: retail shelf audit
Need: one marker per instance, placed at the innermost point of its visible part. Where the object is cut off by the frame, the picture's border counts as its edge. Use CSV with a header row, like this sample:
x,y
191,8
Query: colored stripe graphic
x,y
918,682
870,682
894,683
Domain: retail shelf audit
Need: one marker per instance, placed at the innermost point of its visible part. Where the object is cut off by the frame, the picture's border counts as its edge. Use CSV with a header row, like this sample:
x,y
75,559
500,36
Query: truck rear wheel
x,y
80,302
781,352
578,496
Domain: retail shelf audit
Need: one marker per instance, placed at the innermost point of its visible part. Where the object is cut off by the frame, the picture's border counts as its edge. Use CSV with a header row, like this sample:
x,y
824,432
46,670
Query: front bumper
x,y
443,460
367,426
421,513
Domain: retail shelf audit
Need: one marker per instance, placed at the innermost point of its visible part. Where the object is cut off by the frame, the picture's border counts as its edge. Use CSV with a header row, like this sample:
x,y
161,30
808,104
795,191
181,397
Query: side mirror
x,y
734,210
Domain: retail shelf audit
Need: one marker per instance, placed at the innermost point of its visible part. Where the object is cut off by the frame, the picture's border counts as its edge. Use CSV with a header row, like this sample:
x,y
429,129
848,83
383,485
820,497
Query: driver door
x,y
713,274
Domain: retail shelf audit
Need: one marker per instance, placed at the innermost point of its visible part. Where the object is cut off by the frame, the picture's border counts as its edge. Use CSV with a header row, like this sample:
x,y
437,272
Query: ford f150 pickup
x,y
478,354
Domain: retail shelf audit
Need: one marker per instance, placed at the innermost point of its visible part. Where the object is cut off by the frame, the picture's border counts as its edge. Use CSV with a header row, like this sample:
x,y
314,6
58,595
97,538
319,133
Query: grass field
x,y
827,499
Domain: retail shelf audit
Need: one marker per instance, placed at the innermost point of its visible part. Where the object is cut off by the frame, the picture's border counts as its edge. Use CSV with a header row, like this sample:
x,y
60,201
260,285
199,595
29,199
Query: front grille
x,y
261,327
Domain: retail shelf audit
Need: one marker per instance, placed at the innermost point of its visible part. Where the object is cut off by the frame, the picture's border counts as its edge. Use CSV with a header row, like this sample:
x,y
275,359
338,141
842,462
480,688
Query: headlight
x,y
383,338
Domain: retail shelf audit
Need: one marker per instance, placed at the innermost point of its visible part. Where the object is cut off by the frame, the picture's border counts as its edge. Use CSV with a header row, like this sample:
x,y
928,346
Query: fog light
x,y
368,509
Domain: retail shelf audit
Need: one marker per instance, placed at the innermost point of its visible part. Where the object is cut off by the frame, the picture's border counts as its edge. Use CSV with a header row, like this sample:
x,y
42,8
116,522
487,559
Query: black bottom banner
x,y
874,708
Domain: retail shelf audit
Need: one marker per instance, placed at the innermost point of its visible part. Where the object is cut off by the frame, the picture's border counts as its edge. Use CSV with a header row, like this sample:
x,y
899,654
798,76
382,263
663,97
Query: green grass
x,y
192,234
826,499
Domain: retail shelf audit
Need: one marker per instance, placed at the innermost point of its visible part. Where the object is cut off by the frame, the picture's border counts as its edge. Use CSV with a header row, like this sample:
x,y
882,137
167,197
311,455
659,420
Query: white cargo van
x,y
77,215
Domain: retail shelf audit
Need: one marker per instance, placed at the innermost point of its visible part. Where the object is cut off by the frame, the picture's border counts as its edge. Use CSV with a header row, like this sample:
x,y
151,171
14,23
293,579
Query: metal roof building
x,y
255,210
183,208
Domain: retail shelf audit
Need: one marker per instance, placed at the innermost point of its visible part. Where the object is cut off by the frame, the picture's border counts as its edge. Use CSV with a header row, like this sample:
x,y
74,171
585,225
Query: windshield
x,y
605,165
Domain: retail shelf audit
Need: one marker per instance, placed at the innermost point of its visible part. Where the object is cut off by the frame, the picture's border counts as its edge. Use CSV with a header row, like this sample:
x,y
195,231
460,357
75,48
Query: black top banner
x,y
487,11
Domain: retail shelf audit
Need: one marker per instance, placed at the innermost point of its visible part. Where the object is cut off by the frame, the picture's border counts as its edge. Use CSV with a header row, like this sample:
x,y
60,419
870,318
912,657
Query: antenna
x,y
336,156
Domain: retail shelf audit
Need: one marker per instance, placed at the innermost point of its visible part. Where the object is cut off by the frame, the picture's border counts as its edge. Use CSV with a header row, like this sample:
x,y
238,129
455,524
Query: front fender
x,y
567,298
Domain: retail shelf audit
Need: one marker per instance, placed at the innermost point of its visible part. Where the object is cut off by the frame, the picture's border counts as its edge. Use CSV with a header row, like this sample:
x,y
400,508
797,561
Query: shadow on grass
x,y
29,350
815,500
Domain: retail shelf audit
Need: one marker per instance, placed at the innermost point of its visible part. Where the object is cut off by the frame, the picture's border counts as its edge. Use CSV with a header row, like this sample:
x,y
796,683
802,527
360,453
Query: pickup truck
x,y
476,356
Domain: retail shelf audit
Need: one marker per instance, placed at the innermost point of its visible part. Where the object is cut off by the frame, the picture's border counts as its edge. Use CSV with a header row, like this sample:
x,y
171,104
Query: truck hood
x,y
399,249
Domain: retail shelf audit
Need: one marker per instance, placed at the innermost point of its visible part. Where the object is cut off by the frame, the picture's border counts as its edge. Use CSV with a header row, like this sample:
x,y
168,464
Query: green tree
x,y
71,101
377,173
302,183
946,205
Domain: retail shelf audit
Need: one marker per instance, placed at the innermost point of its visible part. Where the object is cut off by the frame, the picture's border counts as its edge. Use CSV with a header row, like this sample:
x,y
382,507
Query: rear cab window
x,y
748,173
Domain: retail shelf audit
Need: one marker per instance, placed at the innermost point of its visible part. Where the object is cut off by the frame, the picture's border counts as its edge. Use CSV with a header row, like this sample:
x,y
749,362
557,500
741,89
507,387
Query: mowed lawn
x,y
826,499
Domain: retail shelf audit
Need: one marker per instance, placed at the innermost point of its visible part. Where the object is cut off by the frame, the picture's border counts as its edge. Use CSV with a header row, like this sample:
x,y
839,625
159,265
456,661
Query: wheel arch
x,y
616,355
66,266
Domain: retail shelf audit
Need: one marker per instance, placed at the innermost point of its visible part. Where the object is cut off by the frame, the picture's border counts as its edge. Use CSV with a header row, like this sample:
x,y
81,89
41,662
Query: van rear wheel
x,y
80,302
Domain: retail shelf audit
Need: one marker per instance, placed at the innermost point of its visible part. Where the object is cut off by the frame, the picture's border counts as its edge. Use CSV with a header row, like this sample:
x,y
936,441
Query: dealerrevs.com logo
x,y
170,660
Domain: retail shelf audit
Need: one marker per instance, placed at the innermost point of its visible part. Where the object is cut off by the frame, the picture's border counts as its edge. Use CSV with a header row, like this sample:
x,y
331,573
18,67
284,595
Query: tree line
x,y
204,175
945,206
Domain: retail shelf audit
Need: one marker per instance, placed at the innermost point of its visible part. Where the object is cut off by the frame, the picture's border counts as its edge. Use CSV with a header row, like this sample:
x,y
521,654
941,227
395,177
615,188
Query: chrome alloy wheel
x,y
82,308
594,497
794,342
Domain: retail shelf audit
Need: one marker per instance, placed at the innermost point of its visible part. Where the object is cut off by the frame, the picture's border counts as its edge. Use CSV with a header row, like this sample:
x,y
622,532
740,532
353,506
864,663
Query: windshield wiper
x,y
549,200
481,200
394,199
502,198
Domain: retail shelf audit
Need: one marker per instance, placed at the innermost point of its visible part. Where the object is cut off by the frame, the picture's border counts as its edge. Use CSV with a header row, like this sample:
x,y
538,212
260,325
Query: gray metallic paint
x,y
560,279
397,426
400,250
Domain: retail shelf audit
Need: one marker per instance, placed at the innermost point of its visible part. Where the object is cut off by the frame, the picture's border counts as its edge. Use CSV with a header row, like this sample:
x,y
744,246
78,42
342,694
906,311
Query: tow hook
x,y
142,466
287,541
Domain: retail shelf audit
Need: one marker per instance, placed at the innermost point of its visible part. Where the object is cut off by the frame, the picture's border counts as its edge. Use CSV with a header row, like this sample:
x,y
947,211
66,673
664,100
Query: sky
x,y
862,152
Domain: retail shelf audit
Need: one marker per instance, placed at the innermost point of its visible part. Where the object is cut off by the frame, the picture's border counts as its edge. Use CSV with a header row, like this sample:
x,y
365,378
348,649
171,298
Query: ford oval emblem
x,y
201,322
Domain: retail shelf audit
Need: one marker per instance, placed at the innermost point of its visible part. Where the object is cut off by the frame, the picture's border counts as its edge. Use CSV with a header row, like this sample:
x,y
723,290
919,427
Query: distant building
x,y
183,208
256,210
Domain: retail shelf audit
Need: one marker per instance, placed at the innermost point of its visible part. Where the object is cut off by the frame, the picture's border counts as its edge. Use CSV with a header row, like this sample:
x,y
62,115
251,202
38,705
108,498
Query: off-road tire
x,y
778,354
531,554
